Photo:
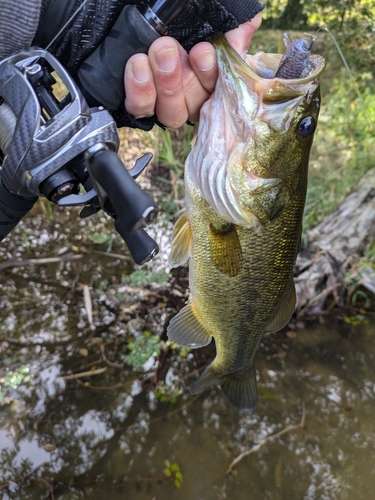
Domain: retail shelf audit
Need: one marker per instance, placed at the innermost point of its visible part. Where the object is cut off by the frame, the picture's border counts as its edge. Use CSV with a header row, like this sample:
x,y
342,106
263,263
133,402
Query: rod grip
x,y
101,75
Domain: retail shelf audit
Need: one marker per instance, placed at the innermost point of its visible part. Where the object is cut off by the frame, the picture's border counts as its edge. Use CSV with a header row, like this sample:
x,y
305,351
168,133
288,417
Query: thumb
x,y
241,37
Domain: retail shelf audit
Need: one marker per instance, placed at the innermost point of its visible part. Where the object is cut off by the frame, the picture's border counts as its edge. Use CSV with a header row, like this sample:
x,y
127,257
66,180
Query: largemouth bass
x,y
245,179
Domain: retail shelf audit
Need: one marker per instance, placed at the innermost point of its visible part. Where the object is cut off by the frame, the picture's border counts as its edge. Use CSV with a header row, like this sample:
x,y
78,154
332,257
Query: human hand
x,y
172,84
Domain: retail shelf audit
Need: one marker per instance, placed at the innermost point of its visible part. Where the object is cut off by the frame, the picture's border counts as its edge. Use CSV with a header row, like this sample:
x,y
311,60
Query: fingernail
x,y
205,60
141,71
166,59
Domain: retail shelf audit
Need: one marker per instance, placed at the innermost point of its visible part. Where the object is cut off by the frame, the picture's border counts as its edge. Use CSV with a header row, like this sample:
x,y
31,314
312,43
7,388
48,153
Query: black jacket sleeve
x,y
94,19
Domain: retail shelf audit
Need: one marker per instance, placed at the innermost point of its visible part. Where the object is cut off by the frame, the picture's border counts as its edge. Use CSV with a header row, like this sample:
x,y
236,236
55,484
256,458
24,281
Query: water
x,y
110,433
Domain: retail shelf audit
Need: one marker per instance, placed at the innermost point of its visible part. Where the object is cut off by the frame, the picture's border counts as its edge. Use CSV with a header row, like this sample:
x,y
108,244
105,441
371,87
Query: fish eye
x,y
306,126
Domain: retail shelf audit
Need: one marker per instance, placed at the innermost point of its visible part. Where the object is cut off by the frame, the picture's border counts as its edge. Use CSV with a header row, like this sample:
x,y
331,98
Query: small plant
x,y
141,349
15,378
166,393
356,320
173,471
182,350
140,277
101,238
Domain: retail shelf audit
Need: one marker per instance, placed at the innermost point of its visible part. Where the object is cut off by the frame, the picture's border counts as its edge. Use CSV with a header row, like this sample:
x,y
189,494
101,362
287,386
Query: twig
x,y
111,255
88,304
268,438
84,374
102,387
194,372
324,292
6,485
19,343
45,260
106,360
48,486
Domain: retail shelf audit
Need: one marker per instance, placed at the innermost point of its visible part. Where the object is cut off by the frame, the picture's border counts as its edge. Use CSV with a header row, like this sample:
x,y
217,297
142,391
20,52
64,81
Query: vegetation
x,y
345,140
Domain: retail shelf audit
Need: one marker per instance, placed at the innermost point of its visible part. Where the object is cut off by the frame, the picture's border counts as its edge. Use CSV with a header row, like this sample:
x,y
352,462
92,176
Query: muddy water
x,y
67,435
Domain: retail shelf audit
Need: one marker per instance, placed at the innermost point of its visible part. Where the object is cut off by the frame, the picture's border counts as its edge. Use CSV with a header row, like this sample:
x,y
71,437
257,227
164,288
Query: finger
x,y
202,59
241,37
140,89
170,106
194,92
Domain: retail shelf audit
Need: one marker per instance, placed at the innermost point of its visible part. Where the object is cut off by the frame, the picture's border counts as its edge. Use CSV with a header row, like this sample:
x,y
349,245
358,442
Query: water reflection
x,y
110,433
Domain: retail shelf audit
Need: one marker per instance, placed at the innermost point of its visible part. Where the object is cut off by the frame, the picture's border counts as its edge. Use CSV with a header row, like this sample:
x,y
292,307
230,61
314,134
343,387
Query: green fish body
x,y
246,180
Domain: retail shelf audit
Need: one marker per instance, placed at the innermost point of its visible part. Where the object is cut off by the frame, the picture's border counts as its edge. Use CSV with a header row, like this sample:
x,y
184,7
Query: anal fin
x,y
186,328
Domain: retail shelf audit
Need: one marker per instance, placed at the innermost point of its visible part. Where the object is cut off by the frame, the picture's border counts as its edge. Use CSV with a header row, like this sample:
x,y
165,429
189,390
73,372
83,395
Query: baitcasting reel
x,y
58,147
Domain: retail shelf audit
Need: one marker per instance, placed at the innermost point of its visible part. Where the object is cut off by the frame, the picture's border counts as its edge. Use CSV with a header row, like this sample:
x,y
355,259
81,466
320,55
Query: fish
x,y
245,183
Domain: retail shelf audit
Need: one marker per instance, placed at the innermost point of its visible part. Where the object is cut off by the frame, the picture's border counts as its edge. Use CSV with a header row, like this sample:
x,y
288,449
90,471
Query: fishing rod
x,y
65,149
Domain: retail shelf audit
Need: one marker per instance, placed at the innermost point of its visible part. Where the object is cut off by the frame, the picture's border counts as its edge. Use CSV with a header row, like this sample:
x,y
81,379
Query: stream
x,y
83,415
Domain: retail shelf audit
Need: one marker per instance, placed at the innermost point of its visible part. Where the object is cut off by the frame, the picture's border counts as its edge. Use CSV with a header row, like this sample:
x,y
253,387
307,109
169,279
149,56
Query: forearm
x,y
18,24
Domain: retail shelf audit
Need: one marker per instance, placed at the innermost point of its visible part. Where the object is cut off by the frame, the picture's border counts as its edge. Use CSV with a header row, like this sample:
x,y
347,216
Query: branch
x,y
84,374
48,486
268,438
46,260
106,360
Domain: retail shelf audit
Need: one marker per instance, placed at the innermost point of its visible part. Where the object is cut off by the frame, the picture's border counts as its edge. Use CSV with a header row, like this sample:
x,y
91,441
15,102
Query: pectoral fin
x,y
186,328
181,242
285,309
226,250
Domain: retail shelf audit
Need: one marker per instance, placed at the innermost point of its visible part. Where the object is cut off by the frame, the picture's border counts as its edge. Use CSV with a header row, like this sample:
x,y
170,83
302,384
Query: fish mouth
x,y
263,68
259,73
265,65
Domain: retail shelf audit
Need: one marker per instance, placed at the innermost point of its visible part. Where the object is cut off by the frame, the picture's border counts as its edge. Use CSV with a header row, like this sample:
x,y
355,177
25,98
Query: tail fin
x,y
240,391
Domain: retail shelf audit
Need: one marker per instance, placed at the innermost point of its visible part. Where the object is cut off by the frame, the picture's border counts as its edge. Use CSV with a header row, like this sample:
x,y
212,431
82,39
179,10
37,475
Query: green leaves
x,y
166,394
140,277
141,349
14,378
173,471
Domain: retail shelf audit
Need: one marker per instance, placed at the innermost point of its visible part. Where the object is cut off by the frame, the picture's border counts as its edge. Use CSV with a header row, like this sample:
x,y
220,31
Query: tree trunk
x,y
328,266
293,16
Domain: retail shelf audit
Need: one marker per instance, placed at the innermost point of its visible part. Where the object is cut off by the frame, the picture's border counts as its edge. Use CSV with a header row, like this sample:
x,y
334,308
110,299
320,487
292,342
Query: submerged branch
x,y
106,360
84,374
268,438
48,486
62,258
46,260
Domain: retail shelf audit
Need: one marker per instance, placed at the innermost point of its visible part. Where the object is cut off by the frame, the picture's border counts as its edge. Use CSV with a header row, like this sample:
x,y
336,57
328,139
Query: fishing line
x,y
66,24
349,72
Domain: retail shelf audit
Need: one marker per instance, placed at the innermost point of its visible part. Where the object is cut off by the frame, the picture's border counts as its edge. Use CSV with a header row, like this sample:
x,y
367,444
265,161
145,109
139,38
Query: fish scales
x,y
257,289
246,181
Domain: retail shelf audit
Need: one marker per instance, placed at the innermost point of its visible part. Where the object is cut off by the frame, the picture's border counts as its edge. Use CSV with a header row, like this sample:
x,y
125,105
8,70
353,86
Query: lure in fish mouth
x,y
245,180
